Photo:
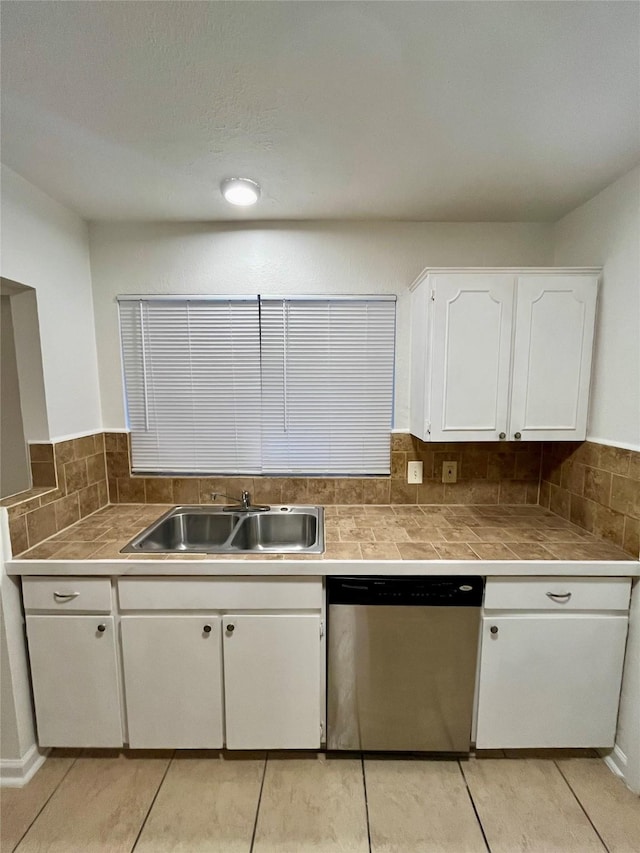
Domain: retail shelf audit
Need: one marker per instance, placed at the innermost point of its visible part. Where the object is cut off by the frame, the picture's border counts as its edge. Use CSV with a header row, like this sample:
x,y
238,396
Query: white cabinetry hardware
x,y
74,661
173,681
75,680
551,679
80,595
272,681
241,679
502,354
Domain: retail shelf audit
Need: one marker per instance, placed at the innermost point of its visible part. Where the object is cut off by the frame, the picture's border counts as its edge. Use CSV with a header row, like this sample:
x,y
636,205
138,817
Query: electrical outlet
x,y
449,472
414,472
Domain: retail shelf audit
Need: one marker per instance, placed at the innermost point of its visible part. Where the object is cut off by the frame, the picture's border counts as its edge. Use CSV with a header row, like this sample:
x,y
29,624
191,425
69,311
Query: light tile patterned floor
x,y
197,802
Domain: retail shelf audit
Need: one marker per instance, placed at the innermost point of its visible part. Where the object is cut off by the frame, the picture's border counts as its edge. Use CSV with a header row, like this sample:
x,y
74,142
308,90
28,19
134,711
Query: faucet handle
x,y
215,495
243,503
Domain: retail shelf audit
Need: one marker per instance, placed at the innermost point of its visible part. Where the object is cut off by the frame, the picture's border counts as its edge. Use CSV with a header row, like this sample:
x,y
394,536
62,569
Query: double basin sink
x,y
216,530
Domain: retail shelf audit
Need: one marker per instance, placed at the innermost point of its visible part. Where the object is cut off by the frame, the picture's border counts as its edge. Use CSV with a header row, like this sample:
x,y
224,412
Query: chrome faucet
x,y
243,504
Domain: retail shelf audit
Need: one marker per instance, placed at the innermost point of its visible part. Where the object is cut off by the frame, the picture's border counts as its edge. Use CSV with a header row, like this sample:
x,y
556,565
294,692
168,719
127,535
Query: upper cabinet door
x,y
554,327
472,324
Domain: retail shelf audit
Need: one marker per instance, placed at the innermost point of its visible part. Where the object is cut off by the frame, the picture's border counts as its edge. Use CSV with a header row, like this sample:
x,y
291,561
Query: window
x,y
258,385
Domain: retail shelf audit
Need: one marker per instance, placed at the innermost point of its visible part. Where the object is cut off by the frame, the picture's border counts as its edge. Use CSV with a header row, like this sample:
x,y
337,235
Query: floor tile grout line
x,y
473,806
366,801
586,813
46,802
255,822
152,803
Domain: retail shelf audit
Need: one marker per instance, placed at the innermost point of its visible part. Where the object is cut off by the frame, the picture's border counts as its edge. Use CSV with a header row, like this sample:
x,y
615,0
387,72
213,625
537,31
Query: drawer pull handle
x,y
559,596
207,629
65,596
102,628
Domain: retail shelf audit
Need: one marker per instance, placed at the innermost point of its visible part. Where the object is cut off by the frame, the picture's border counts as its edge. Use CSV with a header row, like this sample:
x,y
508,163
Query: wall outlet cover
x,y
414,472
450,472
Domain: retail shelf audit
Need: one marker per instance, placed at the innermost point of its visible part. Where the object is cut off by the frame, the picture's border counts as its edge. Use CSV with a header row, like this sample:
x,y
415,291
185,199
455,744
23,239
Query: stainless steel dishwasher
x,y
402,654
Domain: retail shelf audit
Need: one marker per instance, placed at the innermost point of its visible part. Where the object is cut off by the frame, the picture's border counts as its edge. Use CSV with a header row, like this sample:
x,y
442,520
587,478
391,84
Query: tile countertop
x,y
399,539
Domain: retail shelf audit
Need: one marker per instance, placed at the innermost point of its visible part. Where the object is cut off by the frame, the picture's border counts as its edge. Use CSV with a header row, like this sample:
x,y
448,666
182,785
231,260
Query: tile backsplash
x,y
597,487
70,482
487,474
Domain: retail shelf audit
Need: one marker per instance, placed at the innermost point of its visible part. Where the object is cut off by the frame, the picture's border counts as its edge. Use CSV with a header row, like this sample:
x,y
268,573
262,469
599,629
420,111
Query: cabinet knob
x,y
231,627
207,629
502,436
517,436
494,629
102,628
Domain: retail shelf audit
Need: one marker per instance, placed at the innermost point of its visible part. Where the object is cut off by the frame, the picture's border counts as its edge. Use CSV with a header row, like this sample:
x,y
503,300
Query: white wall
x,y
45,246
606,232
288,258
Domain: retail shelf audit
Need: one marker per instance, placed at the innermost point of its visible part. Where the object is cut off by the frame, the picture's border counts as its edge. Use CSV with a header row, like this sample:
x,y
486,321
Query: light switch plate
x,y
414,472
450,472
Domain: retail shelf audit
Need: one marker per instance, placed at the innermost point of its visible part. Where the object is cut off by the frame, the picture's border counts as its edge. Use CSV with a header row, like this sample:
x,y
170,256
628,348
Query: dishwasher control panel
x,y
434,591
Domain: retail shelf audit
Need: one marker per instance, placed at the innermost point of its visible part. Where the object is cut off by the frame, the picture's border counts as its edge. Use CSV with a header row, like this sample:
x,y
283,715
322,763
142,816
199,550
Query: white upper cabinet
x,y
552,345
502,354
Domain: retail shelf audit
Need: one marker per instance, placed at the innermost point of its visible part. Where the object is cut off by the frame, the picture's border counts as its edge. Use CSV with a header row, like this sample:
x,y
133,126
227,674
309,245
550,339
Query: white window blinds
x,y
192,384
327,385
259,385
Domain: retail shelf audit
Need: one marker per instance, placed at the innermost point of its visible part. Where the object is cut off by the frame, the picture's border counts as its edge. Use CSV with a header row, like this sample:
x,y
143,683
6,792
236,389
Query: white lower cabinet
x,y
75,680
272,681
203,671
549,678
173,681
239,662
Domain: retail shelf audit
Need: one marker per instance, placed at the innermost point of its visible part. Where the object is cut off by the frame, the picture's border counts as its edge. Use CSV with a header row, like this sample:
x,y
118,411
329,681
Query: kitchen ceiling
x,y
447,111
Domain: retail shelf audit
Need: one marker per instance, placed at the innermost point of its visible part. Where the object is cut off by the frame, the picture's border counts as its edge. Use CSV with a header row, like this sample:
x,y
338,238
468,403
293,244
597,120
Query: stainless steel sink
x,y
214,530
268,531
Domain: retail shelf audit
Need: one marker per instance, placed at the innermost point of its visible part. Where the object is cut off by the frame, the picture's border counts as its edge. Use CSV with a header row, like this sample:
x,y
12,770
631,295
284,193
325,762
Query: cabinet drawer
x,y
86,595
237,593
554,593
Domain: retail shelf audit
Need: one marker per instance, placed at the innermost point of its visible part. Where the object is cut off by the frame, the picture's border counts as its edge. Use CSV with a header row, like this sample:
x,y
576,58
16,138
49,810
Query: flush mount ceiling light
x,y
241,191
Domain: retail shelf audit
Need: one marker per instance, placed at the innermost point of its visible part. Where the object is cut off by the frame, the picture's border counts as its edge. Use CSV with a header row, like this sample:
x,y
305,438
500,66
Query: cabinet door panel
x,y
555,319
471,356
272,681
75,680
550,681
172,677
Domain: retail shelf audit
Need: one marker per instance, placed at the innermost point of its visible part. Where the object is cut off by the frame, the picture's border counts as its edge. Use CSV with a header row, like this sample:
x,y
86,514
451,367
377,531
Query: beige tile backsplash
x,y
70,483
595,486
488,474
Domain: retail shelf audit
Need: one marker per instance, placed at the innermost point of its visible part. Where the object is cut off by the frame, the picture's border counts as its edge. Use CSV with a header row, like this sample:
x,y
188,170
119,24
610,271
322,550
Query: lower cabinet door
x,y
272,681
550,680
75,680
173,681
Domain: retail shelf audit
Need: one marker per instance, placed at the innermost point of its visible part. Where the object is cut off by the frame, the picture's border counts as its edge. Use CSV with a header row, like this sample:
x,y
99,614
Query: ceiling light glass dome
x,y
240,191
